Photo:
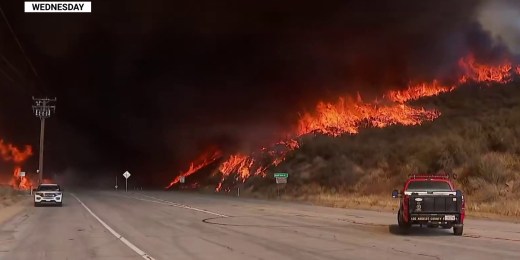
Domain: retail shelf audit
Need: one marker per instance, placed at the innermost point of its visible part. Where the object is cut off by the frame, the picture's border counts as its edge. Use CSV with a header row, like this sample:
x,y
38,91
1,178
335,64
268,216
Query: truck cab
x,y
432,201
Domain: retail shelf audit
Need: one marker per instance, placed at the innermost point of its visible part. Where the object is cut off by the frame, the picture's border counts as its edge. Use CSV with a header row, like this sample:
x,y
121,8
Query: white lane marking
x,y
117,235
169,203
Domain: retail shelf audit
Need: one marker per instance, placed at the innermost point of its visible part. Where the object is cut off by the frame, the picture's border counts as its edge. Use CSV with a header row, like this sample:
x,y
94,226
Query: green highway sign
x,y
281,175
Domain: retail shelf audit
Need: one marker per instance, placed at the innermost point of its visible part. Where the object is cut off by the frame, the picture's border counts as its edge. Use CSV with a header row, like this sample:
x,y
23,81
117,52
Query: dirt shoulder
x,y
504,210
12,202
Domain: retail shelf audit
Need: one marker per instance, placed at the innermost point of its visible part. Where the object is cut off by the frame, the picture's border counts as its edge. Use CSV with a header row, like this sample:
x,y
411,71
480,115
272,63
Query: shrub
x,y
477,136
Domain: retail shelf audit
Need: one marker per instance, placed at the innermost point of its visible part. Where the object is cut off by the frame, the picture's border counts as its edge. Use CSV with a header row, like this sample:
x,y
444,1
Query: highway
x,y
176,225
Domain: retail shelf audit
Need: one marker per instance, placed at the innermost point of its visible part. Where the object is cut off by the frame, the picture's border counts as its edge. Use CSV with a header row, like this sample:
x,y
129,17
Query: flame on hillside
x,y
11,153
349,114
209,156
239,163
421,90
474,71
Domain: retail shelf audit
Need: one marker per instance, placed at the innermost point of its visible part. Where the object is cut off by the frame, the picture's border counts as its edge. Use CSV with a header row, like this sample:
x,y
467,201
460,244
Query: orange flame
x,y
474,71
11,153
243,165
20,182
208,157
418,91
238,163
348,114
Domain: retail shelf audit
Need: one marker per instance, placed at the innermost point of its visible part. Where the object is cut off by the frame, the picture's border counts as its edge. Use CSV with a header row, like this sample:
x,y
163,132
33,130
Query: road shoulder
x,y
10,211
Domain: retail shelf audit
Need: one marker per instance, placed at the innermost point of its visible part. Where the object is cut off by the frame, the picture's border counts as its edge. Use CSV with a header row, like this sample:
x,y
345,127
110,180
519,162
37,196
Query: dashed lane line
x,y
169,203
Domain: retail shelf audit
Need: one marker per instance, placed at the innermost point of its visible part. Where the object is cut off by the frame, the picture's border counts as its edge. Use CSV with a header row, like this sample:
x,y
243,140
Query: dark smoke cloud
x,y
148,84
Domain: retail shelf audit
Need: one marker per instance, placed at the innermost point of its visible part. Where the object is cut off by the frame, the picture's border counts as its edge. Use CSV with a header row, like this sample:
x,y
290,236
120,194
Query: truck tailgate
x,y
435,204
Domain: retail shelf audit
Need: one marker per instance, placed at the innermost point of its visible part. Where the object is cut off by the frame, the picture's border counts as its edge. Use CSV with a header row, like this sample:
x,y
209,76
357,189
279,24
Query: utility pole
x,y
42,109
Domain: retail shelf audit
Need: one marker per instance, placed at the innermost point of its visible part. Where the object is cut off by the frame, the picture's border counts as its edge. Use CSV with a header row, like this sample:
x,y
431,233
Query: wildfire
x,y
421,90
349,114
208,157
239,163
11,153
20,182
485,73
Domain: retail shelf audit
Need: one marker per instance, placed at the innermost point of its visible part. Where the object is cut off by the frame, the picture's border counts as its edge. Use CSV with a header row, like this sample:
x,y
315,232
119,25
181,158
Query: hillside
x,y
477,137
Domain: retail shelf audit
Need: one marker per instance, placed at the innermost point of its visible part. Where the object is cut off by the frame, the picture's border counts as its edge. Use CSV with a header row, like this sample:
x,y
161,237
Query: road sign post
x,y
281,181
126,175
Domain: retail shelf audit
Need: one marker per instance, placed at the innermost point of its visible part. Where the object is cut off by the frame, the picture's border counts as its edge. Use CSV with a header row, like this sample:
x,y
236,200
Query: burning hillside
x,y
348,115
209,156
17,156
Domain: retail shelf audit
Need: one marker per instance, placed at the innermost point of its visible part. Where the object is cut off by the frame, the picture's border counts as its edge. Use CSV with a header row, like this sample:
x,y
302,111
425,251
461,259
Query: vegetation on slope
x,y
477,137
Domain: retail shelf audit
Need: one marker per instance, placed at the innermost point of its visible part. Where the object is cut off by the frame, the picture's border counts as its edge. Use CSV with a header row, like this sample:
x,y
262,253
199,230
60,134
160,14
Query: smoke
x,y
177,76
502,19
78,178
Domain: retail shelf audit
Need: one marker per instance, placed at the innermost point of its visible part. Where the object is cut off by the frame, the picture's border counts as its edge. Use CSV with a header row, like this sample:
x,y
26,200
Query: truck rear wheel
x,y
458,230
403,226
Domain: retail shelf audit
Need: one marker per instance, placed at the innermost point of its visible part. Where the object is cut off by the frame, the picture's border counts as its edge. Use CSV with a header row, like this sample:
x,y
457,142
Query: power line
x,y
13,34
18,42
11,66
13,74
6,75
10,69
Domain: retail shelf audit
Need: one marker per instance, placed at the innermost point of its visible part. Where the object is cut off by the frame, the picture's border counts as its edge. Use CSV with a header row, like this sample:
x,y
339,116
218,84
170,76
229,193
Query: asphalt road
x,y
171,225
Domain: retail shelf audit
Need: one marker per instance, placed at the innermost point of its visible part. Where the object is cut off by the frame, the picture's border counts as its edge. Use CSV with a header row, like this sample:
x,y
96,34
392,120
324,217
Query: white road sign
x,y
281,180
126,175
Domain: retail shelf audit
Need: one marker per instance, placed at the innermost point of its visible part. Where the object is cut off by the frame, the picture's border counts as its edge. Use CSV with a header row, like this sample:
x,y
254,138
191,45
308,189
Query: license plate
x,y
426,218
449,217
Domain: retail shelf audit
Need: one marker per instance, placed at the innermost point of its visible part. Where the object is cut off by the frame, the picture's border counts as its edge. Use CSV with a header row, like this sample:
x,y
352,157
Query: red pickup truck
x,y
432,201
